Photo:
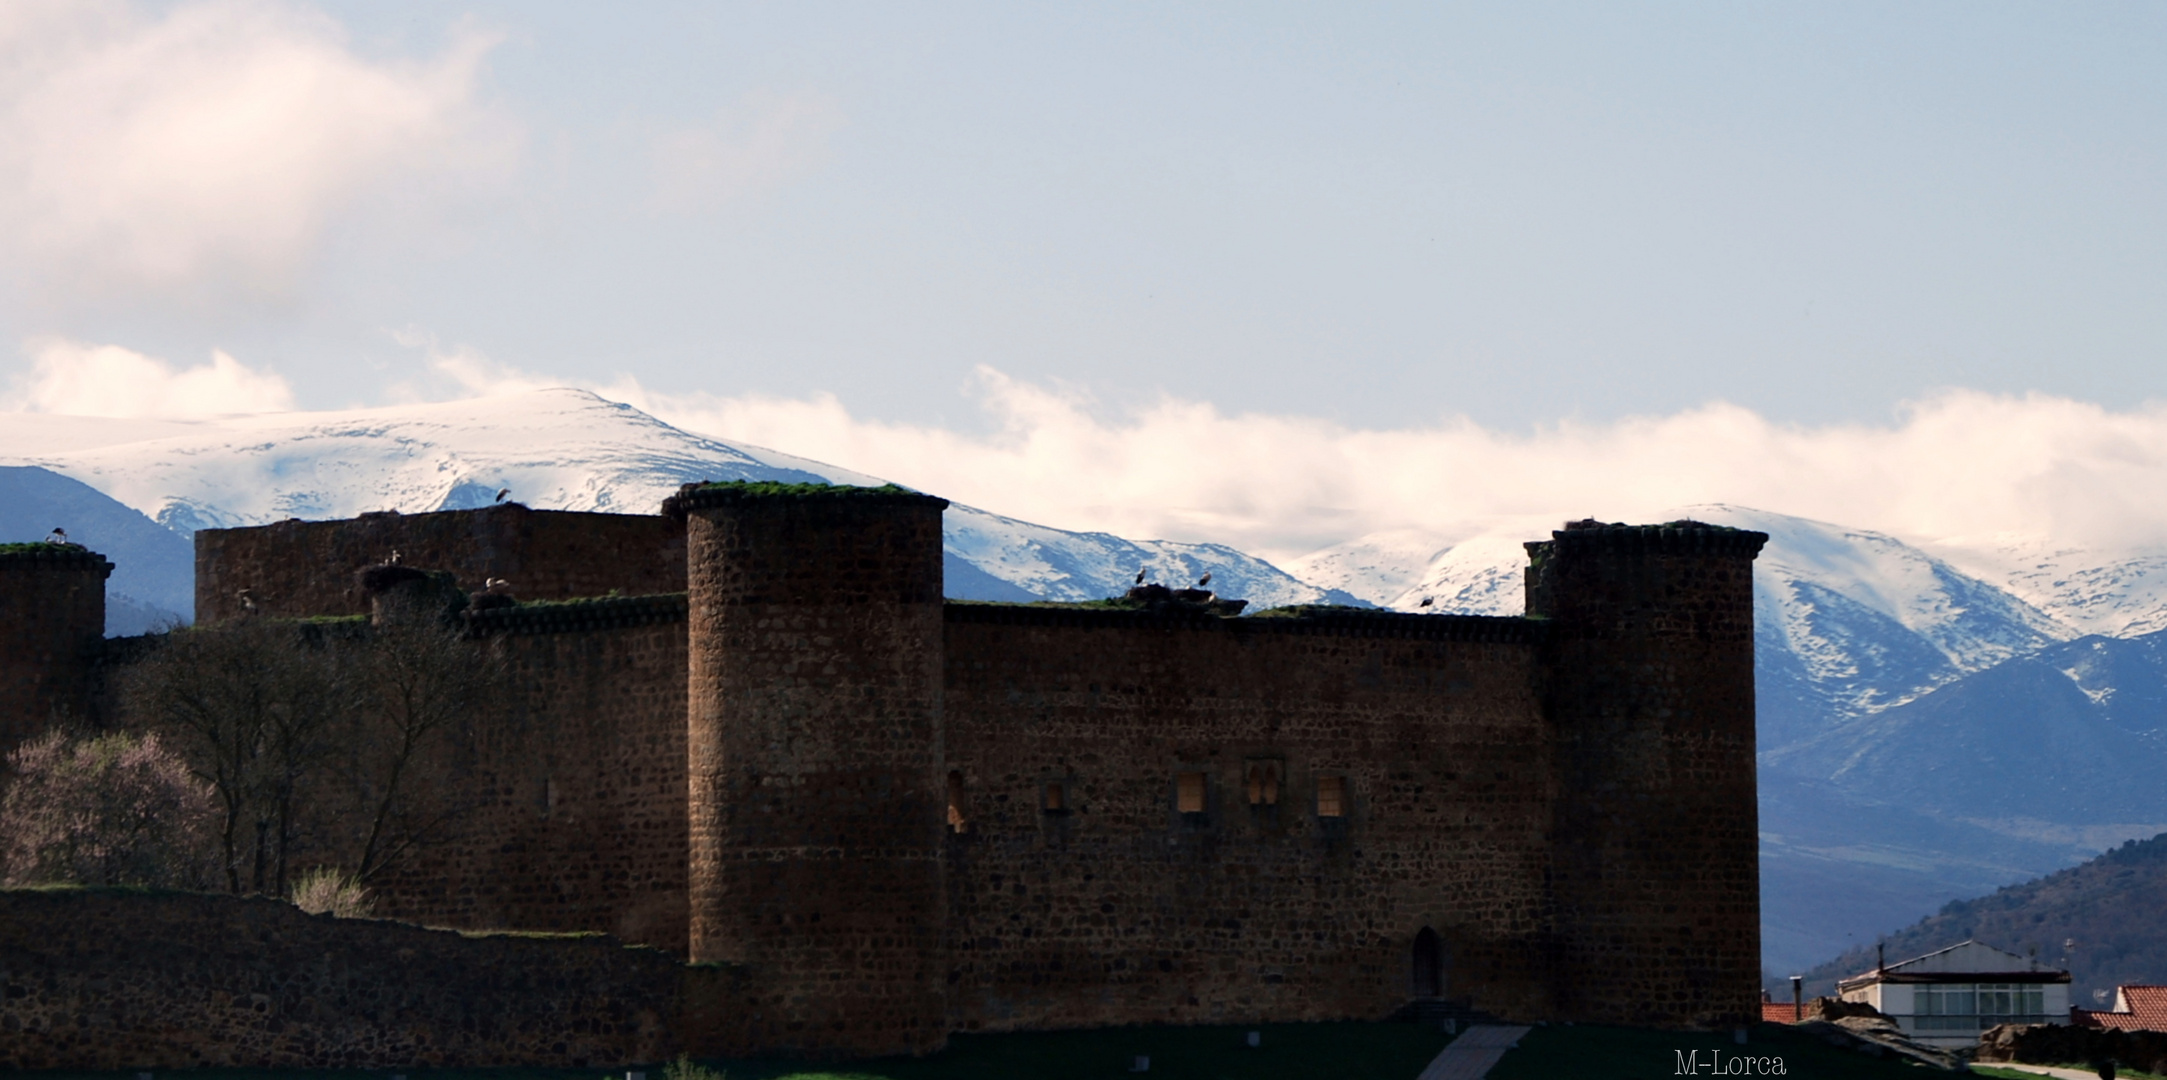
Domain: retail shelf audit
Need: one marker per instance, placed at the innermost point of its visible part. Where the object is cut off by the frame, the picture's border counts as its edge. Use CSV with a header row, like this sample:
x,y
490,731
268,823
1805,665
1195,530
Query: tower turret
x,y
813,746
1648,687
52,620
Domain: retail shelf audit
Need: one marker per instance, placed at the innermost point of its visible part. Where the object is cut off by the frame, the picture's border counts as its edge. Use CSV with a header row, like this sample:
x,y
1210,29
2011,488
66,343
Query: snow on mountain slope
x,y
1057,565
560,450
1849,602
2093,591
1375,567
1869,619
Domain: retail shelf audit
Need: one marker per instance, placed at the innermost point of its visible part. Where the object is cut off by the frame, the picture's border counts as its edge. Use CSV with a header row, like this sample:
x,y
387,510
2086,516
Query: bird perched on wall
x,y
1205,580
394,560
1139,577
503,494
1426,601
247,597
57,536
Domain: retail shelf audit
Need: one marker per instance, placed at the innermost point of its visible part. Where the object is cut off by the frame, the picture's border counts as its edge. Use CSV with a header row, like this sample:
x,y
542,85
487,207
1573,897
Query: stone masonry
x,y
890,817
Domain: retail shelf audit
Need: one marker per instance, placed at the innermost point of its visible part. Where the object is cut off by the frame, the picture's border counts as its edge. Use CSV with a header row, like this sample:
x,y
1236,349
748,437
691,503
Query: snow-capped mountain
x,y
2090,590
555,449
1857,620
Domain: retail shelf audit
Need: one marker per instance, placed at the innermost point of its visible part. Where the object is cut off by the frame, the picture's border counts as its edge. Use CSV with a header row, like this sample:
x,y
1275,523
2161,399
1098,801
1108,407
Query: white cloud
x,y
212,141
74,379
1960,465
1958,468
747,148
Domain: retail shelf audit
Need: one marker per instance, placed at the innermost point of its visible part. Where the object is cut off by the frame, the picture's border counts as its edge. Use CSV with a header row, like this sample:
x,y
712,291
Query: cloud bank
x,y
1962,467
159,149
1959,467
74,379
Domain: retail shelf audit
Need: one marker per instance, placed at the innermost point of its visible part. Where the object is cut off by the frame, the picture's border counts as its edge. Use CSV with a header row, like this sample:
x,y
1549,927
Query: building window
x,y
1977,1007
1264,783
1331,796
1053,798
1189,793
959,820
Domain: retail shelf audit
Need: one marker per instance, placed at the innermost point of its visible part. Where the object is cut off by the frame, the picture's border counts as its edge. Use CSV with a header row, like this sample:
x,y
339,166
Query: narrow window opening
x,y
1189,793
958,818
1054,800
1429,964
1332,796
1256,785
1263,784
1271,785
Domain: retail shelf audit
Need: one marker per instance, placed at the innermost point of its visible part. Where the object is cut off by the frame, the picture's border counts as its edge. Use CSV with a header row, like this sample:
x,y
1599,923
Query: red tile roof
x,y
1774,1012
2147,1011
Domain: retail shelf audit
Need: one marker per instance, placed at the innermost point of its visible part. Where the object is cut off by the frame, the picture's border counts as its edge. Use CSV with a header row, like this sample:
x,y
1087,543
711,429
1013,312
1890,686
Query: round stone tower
x,y
1648,686
52,621
814,745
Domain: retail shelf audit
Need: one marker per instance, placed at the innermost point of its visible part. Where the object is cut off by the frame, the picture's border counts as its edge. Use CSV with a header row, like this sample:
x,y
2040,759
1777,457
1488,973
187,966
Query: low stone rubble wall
x,y
2054,1044
119,979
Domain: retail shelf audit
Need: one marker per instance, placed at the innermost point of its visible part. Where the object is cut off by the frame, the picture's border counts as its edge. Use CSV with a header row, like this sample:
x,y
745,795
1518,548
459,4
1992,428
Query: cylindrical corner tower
x,y
52,620
814,744
1648,685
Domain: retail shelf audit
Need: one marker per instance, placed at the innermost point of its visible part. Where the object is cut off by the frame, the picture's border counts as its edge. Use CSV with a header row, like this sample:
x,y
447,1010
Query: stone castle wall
x,y
117,979
579,782
52,630
1116,907
1648,682
890,817
816,734
297,568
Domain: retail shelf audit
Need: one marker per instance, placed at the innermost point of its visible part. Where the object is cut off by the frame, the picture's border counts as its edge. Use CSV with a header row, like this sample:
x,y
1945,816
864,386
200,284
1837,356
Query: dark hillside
x,y
2110,908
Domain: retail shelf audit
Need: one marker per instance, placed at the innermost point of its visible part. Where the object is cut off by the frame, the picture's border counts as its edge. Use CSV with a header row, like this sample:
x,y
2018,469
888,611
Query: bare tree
x,y
421,684
331,744
253,705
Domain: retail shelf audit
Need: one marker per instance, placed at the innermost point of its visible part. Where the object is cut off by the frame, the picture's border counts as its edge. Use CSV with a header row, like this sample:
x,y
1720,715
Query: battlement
x,y
46,556
297,568
1293,621
1674,537
709,496
577,616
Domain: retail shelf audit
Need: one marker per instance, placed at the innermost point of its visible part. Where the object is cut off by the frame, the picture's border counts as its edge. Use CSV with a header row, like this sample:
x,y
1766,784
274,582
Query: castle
x,y
750,731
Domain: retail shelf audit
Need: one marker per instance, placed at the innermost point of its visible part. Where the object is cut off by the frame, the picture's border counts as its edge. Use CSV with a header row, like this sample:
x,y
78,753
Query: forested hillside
x,y
2102,919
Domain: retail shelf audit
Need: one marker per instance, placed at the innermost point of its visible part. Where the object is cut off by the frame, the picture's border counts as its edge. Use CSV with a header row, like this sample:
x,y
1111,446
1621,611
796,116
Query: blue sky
x,y
1381,216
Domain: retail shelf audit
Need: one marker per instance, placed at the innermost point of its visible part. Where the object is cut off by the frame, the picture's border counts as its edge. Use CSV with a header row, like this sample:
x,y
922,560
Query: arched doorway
x,y
1429,964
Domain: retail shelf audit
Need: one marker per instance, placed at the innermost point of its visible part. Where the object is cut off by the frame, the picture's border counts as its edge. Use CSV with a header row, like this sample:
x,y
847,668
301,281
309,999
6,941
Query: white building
x,y
1947,998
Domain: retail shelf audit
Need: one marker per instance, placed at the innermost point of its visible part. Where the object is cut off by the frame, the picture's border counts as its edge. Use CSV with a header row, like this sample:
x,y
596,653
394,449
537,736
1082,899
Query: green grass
x,y
1607,1053
777,487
